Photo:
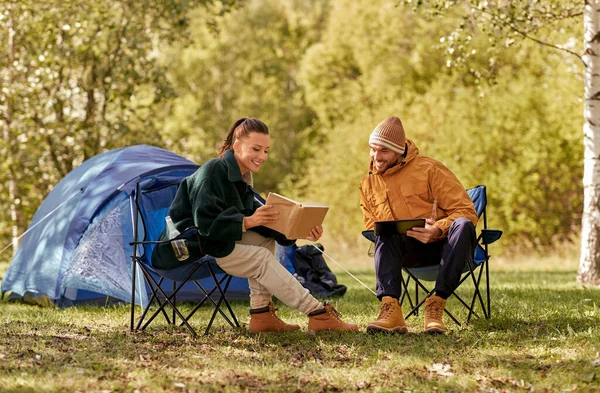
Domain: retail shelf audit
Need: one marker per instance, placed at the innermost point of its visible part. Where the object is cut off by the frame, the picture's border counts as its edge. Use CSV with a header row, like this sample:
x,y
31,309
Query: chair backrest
x,y
479,198
153,198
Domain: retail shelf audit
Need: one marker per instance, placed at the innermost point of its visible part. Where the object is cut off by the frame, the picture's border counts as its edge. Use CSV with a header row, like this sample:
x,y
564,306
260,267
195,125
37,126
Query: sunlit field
x,y
544,335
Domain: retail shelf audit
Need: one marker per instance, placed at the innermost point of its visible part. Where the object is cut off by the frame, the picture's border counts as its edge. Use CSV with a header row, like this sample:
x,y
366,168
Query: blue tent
x,y
76,248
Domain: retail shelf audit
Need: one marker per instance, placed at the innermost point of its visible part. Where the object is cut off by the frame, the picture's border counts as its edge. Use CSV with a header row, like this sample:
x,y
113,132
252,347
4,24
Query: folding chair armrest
x,y
369,235
187,234
489,236
148,242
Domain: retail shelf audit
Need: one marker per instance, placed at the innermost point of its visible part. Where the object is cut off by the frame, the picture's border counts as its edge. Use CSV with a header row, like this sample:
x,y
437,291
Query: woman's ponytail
x,y
242,128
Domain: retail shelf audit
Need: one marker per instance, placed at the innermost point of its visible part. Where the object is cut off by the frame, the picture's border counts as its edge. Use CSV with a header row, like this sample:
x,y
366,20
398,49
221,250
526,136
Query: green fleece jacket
x,y
215,199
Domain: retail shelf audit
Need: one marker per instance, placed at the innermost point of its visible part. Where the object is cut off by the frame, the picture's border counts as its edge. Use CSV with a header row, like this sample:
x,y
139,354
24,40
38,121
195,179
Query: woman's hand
x,y
427,234
315,234
263,215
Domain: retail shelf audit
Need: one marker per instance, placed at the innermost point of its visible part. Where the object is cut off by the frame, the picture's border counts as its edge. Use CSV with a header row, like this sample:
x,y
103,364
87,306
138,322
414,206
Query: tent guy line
x,y
43,219
343,268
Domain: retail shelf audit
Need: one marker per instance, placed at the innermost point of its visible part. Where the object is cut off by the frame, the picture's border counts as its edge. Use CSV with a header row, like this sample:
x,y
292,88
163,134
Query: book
x,y
296,219
385,228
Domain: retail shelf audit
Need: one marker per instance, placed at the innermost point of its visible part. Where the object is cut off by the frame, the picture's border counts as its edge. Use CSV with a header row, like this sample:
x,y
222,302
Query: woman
x,y
219,200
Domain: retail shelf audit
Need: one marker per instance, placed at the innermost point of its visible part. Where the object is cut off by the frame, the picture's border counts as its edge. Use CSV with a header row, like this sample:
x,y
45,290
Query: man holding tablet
x,y
402,184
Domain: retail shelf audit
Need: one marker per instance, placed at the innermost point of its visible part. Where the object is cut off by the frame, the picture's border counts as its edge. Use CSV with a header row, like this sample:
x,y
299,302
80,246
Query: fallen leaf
x,y
441,369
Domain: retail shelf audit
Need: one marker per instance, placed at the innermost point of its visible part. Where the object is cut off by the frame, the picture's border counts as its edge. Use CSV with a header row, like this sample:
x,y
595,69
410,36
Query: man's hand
x,y
427,234
263,215
315,234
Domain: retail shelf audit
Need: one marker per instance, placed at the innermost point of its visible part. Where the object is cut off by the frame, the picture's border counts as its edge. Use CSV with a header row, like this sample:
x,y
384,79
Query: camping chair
x,y
475,269
150,204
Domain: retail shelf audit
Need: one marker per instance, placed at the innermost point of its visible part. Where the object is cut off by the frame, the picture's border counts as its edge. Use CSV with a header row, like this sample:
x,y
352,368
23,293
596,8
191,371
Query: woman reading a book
x,y
219,200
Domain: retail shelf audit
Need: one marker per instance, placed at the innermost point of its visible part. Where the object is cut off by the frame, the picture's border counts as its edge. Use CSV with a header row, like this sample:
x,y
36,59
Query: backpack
x,y
314,274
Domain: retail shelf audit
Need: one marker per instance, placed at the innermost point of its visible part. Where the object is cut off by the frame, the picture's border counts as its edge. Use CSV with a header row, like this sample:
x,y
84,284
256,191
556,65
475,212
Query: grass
x,y
544,336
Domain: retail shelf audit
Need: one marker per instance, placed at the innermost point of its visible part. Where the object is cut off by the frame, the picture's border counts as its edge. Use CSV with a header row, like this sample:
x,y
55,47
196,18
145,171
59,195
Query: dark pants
x,y
394,252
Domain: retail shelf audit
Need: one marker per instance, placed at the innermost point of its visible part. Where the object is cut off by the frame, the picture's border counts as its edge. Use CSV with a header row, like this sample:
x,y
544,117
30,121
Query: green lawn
x,y
543,336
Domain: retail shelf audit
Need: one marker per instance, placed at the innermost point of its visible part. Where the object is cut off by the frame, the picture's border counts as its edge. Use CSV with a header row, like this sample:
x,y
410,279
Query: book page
x,y
308,218
287,209
295,219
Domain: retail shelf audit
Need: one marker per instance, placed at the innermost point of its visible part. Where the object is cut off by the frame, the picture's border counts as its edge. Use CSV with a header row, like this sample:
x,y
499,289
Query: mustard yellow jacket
x,y
408,190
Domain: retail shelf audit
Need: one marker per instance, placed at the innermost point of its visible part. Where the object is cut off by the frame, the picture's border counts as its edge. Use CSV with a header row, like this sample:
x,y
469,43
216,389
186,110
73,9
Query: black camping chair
x,y
150,204
475,269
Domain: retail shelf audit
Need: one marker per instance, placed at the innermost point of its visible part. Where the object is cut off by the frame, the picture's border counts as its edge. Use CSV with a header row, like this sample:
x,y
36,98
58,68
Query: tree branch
x,y
536,40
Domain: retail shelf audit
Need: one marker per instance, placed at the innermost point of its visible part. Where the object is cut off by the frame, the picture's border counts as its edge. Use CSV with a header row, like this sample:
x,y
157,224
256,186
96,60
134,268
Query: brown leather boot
x,y
434,309
390,319
265,320
327,318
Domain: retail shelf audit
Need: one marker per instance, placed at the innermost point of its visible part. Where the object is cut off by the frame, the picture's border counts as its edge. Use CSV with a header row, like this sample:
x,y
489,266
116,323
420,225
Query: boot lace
x,y
275,316
434,311
386,311
333,312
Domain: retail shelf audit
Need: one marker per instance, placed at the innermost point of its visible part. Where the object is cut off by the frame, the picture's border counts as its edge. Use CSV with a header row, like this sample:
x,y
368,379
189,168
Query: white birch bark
x,y
589,264
7,134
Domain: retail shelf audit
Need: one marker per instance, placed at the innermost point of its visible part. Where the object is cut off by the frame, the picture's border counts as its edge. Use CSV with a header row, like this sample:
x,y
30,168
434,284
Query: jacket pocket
x,y
417,199
378,198
416,189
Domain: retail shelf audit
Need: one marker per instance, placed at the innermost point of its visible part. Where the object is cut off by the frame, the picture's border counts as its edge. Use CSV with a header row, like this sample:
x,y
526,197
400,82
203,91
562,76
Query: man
x,y
403,184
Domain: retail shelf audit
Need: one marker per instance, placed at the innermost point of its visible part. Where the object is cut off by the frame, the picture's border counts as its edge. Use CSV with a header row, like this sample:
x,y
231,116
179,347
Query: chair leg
x,y
152,298
173,286
134,263
428,293
487,286
169,301
406,292
155,288
218,309
206,294
486,313
216,305
416,296
222,298
418,285
237,324
476,294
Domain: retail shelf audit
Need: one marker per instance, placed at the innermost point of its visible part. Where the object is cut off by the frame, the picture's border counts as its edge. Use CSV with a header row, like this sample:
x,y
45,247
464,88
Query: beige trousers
x,y
254,258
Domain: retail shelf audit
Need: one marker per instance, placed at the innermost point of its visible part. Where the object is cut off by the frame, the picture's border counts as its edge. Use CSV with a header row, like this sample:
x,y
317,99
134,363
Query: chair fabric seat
x,y
181,273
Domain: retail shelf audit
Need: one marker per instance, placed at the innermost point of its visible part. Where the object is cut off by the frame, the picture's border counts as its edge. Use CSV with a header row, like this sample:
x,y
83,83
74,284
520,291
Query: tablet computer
x,y
385,228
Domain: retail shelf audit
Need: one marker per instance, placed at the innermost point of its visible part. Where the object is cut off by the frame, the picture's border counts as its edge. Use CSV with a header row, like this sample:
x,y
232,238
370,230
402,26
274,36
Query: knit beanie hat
x,y
389,133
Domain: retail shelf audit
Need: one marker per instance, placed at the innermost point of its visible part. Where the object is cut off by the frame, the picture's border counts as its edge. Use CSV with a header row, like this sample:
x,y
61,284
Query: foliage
x,y
470,83
511,134
547,343
78,78
503,23
245,64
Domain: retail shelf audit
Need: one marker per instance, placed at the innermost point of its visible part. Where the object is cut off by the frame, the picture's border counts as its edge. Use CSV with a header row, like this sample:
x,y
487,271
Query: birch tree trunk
x,y
8,137
589,264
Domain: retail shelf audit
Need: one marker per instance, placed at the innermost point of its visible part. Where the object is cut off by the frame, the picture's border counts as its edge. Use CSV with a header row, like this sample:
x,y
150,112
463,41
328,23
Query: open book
x,y
295,219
